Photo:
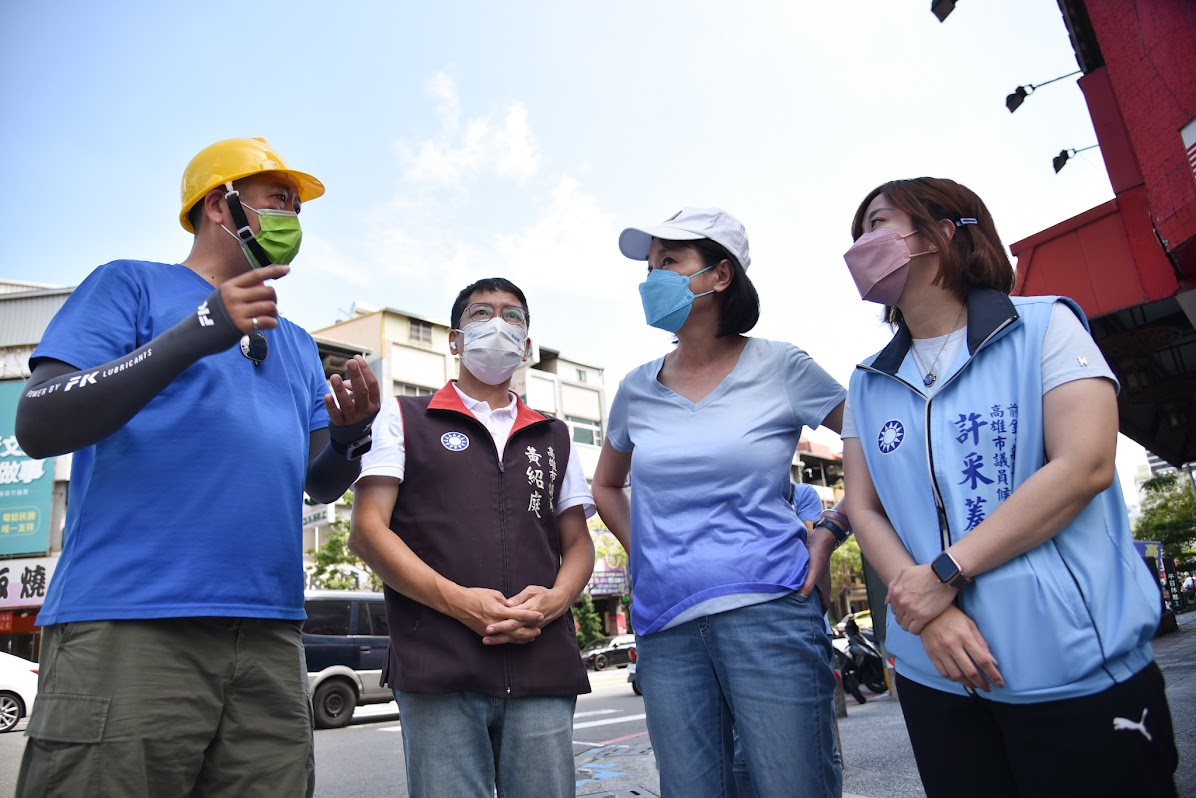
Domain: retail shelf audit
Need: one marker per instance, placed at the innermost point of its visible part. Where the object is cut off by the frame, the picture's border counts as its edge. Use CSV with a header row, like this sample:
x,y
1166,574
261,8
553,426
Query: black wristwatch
x,y
947,570
354,450
839,532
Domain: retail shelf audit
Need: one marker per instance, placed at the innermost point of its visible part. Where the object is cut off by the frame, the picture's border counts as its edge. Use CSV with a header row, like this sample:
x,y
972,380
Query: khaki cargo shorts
x,y
172,707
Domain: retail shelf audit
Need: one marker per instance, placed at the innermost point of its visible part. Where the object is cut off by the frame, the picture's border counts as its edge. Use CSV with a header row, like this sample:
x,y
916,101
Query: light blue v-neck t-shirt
x,y
712,528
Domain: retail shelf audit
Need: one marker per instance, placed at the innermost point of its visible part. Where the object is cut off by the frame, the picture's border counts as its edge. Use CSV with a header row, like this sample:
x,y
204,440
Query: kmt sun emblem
x,y
454,441
891,436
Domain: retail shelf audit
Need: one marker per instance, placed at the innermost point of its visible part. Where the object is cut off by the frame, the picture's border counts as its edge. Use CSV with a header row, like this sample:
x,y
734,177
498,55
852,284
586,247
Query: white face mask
x,y
493,349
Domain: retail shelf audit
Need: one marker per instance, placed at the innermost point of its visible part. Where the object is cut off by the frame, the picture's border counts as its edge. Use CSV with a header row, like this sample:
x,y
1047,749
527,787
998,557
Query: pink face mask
x,y
879,264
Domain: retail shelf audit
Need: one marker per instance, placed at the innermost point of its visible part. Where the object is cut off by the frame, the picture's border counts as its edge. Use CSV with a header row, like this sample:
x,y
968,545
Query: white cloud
x,y
518,156
465,149
572,238
444,88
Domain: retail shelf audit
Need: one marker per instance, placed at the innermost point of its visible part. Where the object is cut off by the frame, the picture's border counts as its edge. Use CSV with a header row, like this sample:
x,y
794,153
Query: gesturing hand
x,y
355,400
247,297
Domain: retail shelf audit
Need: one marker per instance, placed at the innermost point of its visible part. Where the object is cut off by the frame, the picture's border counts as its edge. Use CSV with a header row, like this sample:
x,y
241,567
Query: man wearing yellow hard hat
x,y
171,662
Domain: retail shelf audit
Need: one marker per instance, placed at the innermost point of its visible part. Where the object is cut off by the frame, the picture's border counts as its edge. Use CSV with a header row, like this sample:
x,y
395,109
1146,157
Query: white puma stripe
x,y
1124,724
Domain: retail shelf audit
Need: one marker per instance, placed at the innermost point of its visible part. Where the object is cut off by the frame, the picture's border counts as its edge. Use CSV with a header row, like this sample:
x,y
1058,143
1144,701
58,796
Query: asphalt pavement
x,y
877,759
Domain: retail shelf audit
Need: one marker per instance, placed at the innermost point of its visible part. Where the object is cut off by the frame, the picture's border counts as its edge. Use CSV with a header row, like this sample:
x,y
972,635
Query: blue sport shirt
x,y
806,502
193,508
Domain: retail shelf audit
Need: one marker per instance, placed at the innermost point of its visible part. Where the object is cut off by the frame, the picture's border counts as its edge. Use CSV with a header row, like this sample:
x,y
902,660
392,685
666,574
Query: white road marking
x,y
608,721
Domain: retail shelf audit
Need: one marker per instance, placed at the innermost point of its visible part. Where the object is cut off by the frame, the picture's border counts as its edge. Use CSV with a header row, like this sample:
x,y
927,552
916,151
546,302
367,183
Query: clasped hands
x,y
517,619
924,606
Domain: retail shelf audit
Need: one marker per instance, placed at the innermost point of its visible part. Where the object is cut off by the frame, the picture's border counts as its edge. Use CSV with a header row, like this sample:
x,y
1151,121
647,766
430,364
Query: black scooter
x,y
860,664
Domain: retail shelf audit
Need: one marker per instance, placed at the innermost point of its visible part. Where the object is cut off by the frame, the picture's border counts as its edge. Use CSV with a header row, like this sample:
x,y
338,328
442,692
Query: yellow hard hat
x,y
233,159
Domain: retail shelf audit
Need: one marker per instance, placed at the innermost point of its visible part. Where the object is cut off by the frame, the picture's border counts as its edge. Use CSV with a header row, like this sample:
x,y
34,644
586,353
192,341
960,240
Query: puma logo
x,y
1124,724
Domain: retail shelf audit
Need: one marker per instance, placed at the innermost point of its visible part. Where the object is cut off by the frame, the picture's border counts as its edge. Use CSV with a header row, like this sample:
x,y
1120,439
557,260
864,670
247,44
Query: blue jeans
x,y
767,666
468,745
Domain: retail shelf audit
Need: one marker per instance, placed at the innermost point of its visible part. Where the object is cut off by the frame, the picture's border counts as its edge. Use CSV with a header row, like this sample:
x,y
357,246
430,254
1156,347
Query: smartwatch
x,y
947,570
354,450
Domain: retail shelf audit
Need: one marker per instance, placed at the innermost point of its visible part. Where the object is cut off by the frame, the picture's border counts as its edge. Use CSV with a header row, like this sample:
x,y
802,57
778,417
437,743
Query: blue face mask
x,y
667,298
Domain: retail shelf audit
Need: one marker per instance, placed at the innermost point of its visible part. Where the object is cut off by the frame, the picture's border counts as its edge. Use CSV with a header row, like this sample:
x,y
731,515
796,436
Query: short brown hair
x,y
974,256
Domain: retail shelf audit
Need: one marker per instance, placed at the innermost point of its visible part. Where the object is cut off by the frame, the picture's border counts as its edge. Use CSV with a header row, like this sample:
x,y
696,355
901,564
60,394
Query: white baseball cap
x,y
690,224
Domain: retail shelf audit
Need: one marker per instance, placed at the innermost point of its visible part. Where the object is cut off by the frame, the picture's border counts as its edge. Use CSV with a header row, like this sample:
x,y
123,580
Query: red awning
x,y
1106,258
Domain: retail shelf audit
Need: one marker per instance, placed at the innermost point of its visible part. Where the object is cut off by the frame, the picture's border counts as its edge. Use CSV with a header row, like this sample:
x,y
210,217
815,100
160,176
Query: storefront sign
x,y
608,582
23,583
1149,548
317,515
26,485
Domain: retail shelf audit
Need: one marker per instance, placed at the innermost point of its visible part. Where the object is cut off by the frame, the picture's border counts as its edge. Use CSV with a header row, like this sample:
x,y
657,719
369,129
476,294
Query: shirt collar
x,y
472,404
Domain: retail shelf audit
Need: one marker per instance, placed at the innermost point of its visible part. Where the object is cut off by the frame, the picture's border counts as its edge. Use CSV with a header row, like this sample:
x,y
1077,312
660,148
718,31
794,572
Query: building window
x,y
581,375
419,331
585,431
404,389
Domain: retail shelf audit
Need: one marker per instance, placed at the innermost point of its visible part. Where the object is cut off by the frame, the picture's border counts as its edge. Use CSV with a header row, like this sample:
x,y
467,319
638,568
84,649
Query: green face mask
x,y
277,240
280,236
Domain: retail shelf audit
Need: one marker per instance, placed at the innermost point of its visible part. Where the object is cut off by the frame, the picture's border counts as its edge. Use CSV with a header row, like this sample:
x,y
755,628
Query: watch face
x,y
358,448
944,568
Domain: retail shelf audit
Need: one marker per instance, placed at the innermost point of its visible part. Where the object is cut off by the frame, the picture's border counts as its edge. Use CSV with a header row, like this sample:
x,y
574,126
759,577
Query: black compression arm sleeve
x,y
329,474
64,408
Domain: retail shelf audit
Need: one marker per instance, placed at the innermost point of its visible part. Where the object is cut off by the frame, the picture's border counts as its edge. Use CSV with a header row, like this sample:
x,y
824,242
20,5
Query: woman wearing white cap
x,y
728,624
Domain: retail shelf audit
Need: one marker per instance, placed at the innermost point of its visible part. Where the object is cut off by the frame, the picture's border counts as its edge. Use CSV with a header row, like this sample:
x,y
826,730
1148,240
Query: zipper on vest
x,y
502,516
939,508
502,539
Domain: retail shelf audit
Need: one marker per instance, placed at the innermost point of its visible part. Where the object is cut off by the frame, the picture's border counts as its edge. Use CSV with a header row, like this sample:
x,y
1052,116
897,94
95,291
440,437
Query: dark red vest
x,y
480,522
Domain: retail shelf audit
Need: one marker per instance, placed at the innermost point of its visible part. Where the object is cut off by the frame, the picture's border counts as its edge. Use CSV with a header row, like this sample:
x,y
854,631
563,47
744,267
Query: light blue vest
x,y
1068,618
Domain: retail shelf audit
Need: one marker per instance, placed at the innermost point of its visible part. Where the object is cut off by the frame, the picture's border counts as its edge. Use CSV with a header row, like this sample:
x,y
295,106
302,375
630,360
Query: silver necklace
x,y
930,377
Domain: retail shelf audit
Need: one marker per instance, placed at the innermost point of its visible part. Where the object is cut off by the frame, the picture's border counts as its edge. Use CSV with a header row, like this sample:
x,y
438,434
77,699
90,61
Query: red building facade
x,y
1131,262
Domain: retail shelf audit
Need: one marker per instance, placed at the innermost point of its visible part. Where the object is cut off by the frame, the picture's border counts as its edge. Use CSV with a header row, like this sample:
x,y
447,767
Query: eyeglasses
x,y
254,347
483,311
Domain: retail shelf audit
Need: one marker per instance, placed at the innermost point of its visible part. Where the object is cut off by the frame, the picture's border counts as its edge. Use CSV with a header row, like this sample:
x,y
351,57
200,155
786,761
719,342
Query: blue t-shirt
x,y
711,523
806,502
193,508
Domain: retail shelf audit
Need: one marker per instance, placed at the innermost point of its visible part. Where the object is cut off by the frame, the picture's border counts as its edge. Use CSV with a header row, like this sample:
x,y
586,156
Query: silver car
x,y
346,640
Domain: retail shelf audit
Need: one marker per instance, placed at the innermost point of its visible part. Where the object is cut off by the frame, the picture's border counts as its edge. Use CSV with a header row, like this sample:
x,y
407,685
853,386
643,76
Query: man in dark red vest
x,y
472,508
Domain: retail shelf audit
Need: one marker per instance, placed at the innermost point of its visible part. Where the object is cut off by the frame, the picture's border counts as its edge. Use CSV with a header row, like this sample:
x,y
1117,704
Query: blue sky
x,y
461,140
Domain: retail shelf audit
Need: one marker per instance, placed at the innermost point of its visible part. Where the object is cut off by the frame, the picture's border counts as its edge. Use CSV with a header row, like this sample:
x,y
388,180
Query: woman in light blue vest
x,y
979,452
729,628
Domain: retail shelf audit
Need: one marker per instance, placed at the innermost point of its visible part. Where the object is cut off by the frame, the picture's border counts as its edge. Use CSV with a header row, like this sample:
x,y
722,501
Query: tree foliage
x,y
589,624
607,547
847,568
1169,516
336,566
